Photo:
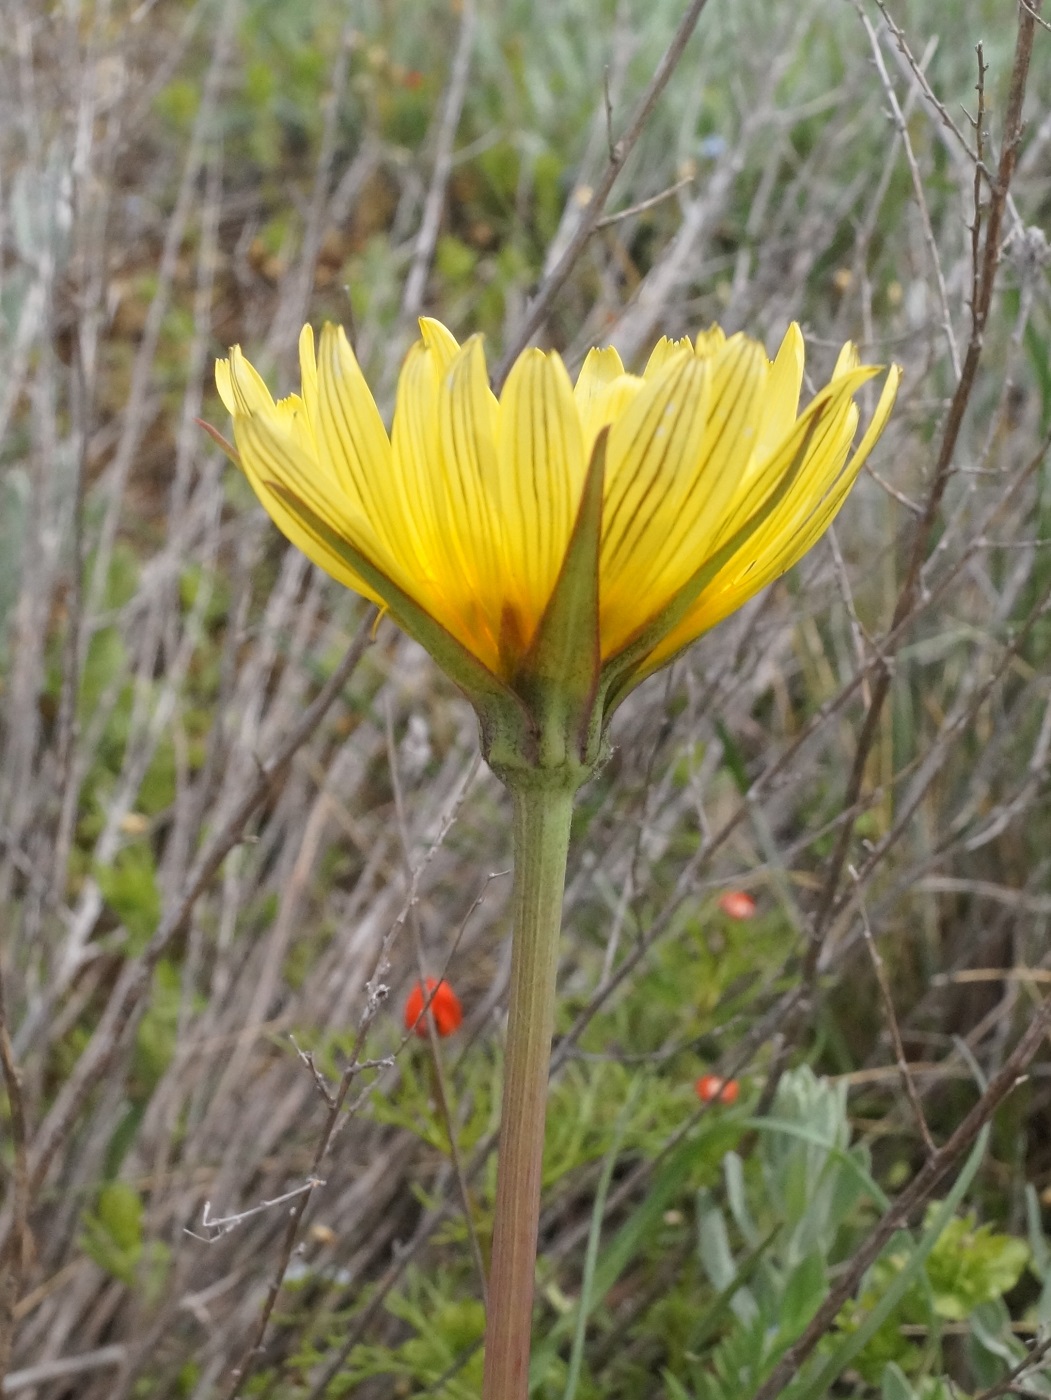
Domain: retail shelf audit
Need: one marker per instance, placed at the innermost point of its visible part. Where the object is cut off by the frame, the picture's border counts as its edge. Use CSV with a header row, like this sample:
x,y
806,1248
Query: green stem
x,y
542,814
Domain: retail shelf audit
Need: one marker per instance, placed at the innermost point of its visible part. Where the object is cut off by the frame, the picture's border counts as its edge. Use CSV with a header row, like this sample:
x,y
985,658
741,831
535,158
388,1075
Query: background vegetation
x,y
231,836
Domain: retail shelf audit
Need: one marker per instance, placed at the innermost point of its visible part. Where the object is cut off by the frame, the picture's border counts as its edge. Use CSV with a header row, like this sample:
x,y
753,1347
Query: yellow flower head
x,y
564,536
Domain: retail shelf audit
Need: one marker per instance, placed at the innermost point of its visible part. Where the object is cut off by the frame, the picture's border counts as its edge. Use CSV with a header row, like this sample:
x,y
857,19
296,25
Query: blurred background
x,y
179,920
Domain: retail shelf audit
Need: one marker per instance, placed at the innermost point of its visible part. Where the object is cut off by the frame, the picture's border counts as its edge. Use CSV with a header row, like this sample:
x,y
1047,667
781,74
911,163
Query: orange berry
x,y
737,904
710,1087
444,1007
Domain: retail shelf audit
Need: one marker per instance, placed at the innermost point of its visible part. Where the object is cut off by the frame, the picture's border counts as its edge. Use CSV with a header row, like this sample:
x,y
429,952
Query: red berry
x,y
710,1087
737,904
444,1007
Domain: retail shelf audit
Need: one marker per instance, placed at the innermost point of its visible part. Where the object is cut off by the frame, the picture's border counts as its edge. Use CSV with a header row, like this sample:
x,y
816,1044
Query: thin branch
x,y
892,1021
976,225
926,525
917,189
101,1359
430,223
1008,1385
644,204
375,996
136,978
222,1225
923,82
557,277
441,1091
13,1254
307,1056
1041,22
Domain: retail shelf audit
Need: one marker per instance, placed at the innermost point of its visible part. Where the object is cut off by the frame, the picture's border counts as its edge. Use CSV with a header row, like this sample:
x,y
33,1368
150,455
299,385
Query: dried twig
x,y
430,222
892,1022
441,1091
917,189
134,981
925,526
100,1359
640,208
375,995
556,278
1009,1384
13,1253
217,1226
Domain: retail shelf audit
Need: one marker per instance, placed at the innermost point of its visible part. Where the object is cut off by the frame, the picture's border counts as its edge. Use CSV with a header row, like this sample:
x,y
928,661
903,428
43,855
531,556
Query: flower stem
x,y
542,814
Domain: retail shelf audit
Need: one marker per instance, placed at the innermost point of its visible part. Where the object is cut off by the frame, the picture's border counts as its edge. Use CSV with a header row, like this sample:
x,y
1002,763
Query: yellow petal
x,y
416,471
664,353
709,342
308,374
224,385
847,360
541,455
602,394
818,492
468,488
352,441
270,452
825,428
291,413
781,396
809,532
248,393
441,343
674,461
879,419
433,527
600,369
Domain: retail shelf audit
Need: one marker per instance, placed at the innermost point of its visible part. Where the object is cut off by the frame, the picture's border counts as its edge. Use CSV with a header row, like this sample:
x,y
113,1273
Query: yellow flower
x,y
642,509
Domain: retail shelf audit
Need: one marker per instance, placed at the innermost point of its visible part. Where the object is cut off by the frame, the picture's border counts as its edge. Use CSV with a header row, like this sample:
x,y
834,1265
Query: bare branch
x,y
430,223
892,1023
557,277
135,979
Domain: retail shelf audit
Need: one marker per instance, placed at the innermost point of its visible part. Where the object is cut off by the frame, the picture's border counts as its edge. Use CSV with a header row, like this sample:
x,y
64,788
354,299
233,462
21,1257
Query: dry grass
x,y
184,888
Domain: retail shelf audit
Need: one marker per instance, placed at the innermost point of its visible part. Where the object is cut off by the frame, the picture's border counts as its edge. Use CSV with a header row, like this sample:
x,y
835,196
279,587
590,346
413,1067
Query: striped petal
x,y
664,353
602,394
241,386
820,489
709,342
465,515
352,442
673,464
541,457
271,453
781,396
308,375
467,423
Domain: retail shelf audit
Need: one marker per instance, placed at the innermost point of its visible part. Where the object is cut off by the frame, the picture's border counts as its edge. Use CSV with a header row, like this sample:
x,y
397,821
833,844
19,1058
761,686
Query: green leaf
x,y
129,887
120,1214
668,1182
112,1233
818,1385
971,1265
587,1284
893,1384
804,1293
